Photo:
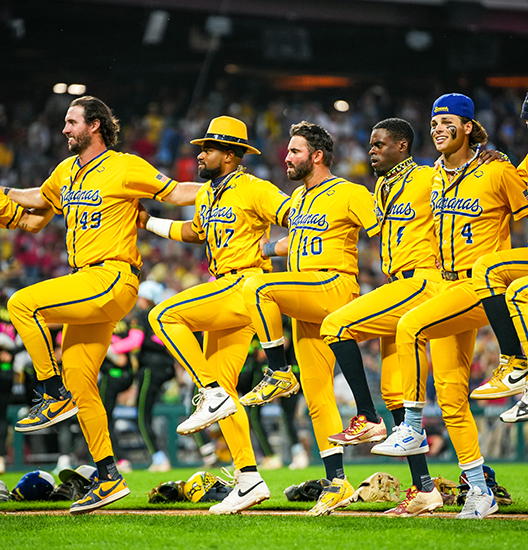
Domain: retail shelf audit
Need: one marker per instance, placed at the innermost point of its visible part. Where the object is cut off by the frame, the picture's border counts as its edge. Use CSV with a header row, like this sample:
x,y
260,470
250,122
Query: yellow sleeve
x,y
514,191
10,212
361,210
269,201
522,169
144,181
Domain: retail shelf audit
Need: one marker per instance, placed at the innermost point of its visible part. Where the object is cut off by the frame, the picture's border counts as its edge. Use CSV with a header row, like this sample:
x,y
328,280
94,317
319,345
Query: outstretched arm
x,y
34,220
170,229
28,198
183,194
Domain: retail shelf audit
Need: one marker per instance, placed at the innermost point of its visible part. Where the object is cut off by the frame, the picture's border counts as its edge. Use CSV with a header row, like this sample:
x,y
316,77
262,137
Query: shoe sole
x,y
498,395
200,428
91,507
492,510
289,393
341,504
258,500
419,451
515,420
56,420
374,439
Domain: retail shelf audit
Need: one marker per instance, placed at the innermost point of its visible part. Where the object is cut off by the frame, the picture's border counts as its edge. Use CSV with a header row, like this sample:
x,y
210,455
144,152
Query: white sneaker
x,y
300,461
404,441
519,412
2,465
477,505
212,405
249,489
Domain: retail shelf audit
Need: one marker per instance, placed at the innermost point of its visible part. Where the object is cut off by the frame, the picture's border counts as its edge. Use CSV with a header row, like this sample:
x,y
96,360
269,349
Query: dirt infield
x,y
448,515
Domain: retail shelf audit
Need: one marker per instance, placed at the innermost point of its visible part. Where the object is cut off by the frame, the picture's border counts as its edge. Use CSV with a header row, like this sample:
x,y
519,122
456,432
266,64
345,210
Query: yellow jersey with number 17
x,y
324,226
99,202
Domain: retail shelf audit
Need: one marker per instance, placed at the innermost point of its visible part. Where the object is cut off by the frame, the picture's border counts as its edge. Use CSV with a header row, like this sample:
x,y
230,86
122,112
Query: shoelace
x,y
40,401
498,371
269,373
471,504
198,399
356,424
232,479
409,497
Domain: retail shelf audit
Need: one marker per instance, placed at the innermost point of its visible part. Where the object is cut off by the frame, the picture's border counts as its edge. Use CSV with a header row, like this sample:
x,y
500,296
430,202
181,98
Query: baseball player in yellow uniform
x,y
233,211
97,191
472,204
408,252
501,281
326,215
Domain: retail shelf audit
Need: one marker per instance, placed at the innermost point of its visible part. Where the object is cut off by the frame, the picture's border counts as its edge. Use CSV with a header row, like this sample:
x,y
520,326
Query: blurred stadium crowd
x,y
159,129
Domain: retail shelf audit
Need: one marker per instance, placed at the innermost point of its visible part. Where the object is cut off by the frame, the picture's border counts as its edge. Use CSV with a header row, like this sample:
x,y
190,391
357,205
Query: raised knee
x,y
253,285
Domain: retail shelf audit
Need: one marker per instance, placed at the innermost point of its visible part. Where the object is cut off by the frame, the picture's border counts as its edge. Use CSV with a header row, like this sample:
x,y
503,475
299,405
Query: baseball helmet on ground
x,y
36,485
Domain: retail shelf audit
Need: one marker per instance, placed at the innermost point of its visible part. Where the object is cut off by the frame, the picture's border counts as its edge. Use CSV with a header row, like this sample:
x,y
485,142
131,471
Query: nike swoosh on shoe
x,y
244,493
515,380
52,414
214,409
103,493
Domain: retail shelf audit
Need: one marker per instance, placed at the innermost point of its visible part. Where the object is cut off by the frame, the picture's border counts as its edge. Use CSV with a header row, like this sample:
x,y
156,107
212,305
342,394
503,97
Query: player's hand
x,y
490,155
262,242
143,217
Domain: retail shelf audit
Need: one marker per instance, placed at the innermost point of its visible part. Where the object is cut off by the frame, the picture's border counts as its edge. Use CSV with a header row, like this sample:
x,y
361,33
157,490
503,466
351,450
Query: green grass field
x,y
127,531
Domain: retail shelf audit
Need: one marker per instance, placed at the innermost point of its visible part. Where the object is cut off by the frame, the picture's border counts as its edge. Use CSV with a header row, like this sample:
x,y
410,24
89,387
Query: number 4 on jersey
x,y
467,233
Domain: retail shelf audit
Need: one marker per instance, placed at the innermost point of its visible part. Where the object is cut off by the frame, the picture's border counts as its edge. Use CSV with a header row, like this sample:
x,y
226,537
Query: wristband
x,y
6,190
175,232
268,249
159,226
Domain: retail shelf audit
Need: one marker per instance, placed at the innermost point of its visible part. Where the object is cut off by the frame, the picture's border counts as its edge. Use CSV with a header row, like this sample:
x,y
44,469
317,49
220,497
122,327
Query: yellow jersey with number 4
x,y
233,218
472,213
99,202
324,225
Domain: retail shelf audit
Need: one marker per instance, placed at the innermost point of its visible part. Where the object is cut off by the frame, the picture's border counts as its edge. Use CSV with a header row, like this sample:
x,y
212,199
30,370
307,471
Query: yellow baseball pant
x,y
218,309
506,272
89,303
376,315
307,298
456,310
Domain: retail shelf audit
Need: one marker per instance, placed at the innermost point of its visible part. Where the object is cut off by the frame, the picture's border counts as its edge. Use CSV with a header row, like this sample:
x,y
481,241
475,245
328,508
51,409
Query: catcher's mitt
x,y
169,491
500,493
73,489
379,487
447,488
307,491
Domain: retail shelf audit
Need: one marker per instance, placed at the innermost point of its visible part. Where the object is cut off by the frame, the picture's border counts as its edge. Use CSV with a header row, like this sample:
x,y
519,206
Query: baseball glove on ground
x,y
206,487
447,488
307,491
379,487
73,489
168,491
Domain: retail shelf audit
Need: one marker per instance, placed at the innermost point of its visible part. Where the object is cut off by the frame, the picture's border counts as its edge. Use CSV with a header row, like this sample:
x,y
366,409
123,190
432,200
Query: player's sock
x,y
475,477
398,415
213,385
334,466
107,469
248,469
54,387
348,356
413,417
502,324
277,358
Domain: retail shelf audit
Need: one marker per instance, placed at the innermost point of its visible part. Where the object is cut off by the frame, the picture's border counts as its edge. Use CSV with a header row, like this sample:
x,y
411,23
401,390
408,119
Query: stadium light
x,y
76,89
156,27
341,105
60,88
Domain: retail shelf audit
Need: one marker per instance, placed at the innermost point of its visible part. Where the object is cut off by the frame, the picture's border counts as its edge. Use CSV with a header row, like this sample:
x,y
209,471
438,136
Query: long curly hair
x,y
95,109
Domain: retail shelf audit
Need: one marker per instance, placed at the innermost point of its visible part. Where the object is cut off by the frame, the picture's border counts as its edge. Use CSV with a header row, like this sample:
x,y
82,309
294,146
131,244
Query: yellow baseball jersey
x,y
324,225
10,212
472,213
522,169
99,202
233,219
406,220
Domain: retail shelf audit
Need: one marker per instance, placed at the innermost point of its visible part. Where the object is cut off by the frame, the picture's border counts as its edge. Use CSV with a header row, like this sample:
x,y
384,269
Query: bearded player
x,y
472,205
326,215
97,190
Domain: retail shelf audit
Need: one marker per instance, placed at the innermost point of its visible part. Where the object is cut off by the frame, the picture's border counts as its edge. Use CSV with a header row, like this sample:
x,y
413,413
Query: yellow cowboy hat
x,y
227,130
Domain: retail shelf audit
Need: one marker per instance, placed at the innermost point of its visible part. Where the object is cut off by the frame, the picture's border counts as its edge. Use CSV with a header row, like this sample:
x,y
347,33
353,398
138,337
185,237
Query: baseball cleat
x,y
404,441
212,405
47,412
274,384
336,495
509,378
100,494
416,503
360,431
478,505
519,412
249,489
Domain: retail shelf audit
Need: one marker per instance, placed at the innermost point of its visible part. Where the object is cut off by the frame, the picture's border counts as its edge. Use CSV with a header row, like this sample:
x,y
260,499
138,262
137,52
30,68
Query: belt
x,y
133,269
456,275
401,275
234,272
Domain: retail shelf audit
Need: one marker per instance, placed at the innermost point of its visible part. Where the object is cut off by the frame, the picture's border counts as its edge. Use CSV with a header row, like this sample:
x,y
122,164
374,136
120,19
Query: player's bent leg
x,y
101,493
517,302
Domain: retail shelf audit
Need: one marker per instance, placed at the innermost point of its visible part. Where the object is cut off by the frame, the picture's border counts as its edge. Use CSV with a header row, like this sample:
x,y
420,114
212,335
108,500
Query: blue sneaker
x,y
47,412
404,441
100,494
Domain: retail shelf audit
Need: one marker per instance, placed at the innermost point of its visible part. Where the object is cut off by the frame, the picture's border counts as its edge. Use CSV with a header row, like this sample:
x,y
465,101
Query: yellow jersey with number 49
x,y
324,225
472,213
233,218
99,202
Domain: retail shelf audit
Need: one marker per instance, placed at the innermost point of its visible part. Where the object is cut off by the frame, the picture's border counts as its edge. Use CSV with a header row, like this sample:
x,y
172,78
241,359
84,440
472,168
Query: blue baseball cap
x,y
454,104
524,110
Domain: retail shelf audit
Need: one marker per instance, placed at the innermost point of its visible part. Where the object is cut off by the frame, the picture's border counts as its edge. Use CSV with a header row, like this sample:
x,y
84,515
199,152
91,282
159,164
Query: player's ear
x,y
95,125
404,145
318,156
468,127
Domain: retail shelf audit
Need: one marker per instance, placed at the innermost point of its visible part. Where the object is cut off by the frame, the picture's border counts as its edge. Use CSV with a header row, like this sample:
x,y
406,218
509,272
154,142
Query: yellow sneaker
x,y
274,384
47,412
509,378
100,494
337,495
416,503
